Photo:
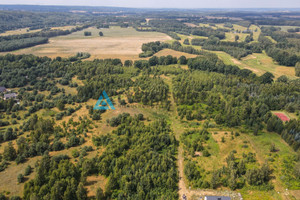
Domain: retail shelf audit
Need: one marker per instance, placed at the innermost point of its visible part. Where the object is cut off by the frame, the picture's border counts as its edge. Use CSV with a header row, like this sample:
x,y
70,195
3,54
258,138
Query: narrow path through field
x,y
178,129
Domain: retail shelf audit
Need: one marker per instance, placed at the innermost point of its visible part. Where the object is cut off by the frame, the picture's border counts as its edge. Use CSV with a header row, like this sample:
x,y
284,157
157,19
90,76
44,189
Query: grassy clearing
x,y
256,32
8,177
283,28
206,25
259,195
191,25
276,160
264,63
68,90
259,63
63,27
190,37
245,143
231,36
94,182
220,150
123,43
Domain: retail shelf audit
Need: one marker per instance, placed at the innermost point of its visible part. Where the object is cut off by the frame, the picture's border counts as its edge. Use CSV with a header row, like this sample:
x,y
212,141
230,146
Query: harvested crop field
x,y
123,43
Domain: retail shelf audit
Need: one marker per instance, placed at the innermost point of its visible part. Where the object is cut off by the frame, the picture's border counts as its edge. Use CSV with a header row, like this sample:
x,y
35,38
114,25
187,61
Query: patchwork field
x,y
123,43
259,63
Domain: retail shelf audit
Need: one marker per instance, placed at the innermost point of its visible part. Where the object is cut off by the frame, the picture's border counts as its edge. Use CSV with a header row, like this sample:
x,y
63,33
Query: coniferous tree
x,y
100,194
81,192
9,153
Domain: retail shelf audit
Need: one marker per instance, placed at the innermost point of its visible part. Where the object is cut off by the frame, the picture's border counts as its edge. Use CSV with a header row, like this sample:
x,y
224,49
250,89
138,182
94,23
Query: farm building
x,y
216,198
10,96
2,89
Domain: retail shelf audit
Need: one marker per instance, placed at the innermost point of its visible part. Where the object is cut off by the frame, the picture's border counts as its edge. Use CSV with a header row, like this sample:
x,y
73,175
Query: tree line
x,y
15,42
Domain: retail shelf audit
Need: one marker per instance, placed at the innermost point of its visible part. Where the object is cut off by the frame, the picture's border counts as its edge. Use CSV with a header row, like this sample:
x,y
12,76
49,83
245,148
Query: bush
x,y
75,153
28,170
59,116
206,153
20,159
87,33
223,139
20,178
57,145
2,196
186,41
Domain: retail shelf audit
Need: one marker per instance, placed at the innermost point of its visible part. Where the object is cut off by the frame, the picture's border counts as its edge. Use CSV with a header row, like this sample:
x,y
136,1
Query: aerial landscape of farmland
x,y
147,100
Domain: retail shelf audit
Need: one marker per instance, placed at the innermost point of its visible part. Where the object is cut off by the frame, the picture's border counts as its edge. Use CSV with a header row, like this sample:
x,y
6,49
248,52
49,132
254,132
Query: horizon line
x,y
64,5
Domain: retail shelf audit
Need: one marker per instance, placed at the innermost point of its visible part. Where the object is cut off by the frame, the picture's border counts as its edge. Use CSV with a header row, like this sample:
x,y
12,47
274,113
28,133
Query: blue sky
x,y
167,3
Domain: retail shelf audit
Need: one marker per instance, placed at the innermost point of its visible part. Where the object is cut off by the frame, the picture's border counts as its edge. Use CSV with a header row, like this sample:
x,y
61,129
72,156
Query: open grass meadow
x,y
259,63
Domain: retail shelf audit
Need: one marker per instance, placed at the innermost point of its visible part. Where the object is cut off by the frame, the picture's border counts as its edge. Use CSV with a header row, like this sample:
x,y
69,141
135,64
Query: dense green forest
x,y
21,43
11,20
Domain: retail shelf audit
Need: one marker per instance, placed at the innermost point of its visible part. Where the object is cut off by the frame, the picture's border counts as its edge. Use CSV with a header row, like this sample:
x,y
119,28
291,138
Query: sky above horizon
x,y
167,3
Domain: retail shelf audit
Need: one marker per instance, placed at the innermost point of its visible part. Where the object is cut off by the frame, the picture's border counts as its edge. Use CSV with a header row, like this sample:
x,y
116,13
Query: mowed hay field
x,y
123,43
